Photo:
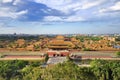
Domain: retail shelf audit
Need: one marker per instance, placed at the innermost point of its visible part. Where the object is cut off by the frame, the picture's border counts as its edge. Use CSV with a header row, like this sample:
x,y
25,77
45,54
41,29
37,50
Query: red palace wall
x,y
53,54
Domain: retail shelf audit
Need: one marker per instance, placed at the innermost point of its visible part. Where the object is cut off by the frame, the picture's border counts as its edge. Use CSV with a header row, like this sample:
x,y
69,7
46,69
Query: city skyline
x,y
59,16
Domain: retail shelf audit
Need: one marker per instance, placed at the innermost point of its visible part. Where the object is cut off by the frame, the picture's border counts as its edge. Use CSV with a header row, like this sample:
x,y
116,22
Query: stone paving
x,y
56,60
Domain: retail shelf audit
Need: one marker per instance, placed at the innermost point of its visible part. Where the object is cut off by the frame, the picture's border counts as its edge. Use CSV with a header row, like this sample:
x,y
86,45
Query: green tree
x,y
118,54
31,73
46,57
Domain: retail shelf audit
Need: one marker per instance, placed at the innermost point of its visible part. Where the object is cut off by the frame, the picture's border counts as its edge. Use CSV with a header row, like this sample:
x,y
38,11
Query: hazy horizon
x,y
59,16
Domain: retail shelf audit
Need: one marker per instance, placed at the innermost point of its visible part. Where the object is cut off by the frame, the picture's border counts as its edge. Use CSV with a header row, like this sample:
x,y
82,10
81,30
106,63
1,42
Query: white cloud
x,y
21,12
7,12
68,5
16,2
63,19
6,1
115,7
101,10
46,10
56,4
52,18
87,5
74,19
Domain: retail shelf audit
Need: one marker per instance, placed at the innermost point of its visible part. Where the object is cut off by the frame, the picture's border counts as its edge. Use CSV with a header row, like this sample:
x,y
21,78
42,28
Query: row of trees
x,y
14,38
82,38
118,38
27,70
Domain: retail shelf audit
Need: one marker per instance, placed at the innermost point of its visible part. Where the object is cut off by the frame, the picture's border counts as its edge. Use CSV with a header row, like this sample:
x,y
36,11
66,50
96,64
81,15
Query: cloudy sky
x,y
59,16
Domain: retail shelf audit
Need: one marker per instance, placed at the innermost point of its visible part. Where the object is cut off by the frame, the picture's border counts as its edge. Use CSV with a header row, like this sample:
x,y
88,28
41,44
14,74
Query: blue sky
x,y
59,16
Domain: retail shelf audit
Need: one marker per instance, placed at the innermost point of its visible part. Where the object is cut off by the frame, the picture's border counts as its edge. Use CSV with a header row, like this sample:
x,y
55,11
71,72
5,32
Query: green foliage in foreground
x,y
106,70
118,54
25,70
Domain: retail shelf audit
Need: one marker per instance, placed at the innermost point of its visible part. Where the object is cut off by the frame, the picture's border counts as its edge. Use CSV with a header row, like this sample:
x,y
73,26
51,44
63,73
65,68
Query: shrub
x,y
86,49
118,54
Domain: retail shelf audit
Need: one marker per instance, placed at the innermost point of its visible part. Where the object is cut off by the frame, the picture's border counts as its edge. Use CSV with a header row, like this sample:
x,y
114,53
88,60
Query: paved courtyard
x,y
95,53
56,60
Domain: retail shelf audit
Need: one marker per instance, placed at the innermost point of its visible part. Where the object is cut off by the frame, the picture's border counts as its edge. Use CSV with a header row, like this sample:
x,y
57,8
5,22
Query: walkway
x,y
56,60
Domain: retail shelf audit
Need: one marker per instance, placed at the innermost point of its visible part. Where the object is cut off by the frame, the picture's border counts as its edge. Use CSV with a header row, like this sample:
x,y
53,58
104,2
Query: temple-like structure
x,y
59,43
59,46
